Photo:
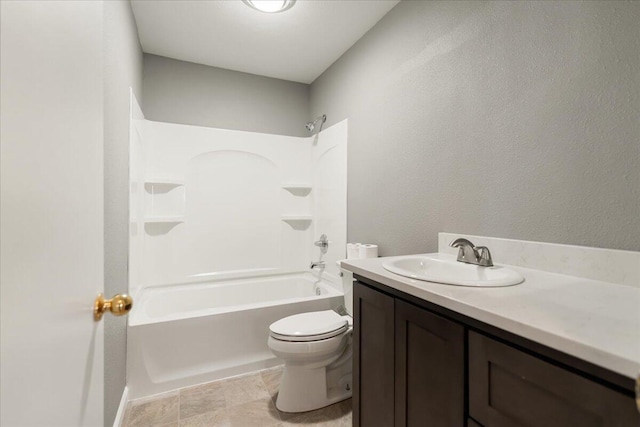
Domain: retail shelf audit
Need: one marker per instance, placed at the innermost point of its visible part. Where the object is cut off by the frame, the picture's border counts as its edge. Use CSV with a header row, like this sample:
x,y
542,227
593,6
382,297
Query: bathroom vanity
x,y
427,354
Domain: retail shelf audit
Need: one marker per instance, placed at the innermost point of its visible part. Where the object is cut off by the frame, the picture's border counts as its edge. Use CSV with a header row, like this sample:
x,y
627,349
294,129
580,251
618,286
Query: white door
x,y
51,212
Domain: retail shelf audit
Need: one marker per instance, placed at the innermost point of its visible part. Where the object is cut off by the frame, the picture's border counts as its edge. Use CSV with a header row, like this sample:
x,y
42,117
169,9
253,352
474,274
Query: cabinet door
x,y
373,358
429,369
508,387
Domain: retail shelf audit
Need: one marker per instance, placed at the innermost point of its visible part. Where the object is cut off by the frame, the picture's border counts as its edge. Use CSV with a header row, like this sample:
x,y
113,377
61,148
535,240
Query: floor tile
x,y
338,414
217,418
201,399
342,422
252,414
244,401
154,412
271,378
244,389
345,406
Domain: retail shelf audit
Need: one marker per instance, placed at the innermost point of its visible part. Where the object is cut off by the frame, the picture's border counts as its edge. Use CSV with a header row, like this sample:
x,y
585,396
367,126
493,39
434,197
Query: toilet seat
x,y
305,327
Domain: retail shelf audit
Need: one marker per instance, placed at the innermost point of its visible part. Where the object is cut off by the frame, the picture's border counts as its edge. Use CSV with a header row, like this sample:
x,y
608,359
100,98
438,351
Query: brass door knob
x,y
119,305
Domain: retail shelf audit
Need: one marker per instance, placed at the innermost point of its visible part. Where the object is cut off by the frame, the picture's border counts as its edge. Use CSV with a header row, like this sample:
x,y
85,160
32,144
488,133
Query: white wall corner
x,y
119,420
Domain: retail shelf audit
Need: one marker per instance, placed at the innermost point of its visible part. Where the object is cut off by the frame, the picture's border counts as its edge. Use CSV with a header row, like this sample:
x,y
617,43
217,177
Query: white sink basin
x,y
439,269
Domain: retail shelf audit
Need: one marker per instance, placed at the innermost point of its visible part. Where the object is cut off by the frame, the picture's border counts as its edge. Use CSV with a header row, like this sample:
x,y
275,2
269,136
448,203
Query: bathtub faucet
x,y
317,264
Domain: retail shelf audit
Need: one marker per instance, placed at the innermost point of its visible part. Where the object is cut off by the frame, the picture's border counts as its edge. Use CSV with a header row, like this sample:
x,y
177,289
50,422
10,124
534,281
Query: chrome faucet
x,y
317,264
472,254
323,244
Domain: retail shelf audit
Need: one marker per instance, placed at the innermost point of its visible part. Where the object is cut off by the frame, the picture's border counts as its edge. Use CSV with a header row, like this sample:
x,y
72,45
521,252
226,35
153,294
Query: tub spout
x,y
317,264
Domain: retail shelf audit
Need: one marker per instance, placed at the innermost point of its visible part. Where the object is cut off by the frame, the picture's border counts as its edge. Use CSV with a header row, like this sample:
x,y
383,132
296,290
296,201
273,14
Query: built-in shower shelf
x,y
297,186
297,218
298,189
164,219
164,182
298,222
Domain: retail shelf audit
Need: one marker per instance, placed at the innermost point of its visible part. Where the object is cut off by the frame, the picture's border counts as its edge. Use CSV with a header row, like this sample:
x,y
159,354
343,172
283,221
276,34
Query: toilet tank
x,y
347,288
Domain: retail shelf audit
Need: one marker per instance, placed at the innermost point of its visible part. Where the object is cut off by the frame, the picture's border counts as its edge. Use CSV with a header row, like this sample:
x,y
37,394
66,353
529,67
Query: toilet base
x,y
305,387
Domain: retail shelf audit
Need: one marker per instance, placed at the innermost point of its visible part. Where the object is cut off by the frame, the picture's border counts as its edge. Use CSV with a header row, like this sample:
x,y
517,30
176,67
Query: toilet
x,y
317,351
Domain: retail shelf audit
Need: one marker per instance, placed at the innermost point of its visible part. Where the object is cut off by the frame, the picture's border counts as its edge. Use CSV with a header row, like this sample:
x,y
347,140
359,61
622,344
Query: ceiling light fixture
x,y
270,6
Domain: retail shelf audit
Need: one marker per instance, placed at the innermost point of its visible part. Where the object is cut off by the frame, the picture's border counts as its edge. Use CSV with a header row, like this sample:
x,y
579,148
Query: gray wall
x,y
505,119
123,69
193,94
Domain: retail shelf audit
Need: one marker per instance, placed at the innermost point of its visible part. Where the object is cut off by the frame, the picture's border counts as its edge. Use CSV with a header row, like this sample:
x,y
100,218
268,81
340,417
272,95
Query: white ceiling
x,y
297,45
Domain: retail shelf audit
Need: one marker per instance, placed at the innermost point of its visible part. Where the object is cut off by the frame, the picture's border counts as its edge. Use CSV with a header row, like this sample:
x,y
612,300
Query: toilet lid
x,y
312,326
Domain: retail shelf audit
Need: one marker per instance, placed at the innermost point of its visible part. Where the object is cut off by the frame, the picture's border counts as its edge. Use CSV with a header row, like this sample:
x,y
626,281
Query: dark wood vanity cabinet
x,y
416,368
409,364
429,368
508,387
373,374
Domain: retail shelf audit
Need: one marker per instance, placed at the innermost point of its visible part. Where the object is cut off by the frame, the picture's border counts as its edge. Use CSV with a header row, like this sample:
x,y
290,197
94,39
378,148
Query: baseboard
x,y
122,408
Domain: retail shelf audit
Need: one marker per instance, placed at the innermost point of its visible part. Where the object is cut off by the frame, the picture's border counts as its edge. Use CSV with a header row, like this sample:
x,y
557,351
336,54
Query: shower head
x,y
312,125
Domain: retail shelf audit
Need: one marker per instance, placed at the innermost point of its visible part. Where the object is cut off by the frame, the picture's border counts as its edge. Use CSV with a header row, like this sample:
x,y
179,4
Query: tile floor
x,y
246,401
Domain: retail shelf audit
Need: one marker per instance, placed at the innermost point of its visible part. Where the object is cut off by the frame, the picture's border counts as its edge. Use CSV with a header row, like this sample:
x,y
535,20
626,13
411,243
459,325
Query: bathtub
x,y
185,335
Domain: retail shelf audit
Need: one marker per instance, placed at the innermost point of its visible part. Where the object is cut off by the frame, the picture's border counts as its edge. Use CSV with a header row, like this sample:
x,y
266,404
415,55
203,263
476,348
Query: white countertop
x,y
595,321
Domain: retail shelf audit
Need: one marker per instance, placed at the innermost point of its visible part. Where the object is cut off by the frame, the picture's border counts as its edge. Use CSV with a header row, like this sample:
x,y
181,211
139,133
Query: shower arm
x,y
324,119
311,125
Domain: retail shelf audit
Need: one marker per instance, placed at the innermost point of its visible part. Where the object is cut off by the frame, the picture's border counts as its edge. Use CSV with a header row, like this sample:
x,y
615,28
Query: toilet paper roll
x,y
368,251
353,250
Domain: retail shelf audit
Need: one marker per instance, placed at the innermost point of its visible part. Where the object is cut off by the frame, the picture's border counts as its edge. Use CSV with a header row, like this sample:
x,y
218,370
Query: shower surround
x,y
232,215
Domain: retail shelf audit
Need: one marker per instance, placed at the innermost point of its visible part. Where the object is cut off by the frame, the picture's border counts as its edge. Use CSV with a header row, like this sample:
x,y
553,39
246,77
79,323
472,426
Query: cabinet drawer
x,y
508,387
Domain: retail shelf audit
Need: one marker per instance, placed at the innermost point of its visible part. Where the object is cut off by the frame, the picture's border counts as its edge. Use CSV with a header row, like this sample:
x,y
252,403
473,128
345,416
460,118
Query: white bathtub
x,y
189,334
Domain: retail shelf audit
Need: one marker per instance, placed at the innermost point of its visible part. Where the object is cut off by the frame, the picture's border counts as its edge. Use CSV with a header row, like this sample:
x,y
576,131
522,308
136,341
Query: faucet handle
x,y
323,243
484,258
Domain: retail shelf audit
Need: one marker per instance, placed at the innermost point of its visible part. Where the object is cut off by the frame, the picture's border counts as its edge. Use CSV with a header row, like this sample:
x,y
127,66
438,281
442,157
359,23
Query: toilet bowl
x,y
317,351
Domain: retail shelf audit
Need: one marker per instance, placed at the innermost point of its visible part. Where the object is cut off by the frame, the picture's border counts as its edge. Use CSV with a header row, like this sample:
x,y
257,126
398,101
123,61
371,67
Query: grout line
x,y
179,404
270,397
160,396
